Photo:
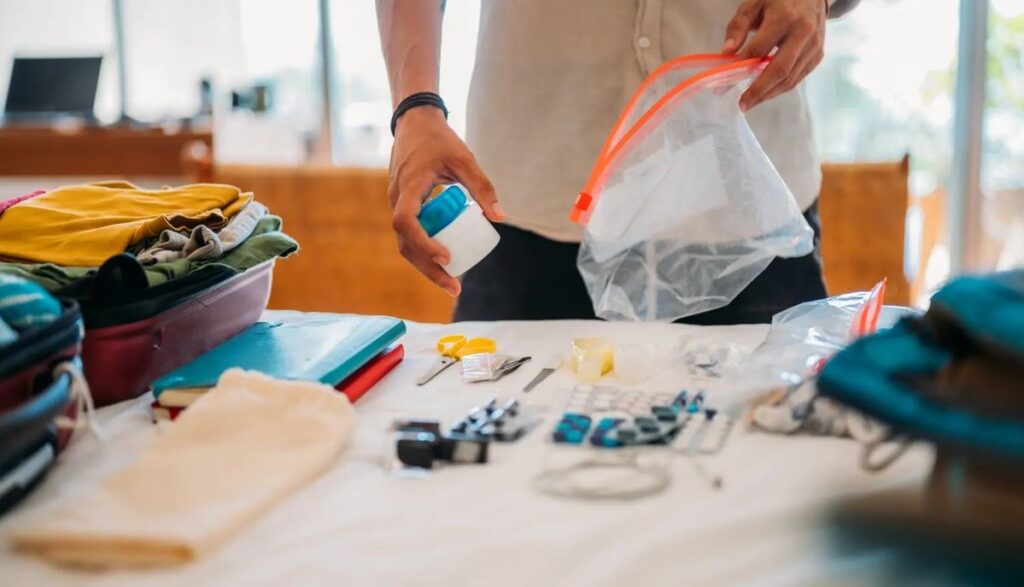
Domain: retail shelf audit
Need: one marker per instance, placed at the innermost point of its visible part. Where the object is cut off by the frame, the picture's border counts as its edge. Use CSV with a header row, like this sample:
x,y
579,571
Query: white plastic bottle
x,y
460,225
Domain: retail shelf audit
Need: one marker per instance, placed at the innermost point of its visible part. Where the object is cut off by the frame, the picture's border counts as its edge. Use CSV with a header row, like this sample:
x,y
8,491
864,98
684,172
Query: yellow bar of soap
x,y
591,358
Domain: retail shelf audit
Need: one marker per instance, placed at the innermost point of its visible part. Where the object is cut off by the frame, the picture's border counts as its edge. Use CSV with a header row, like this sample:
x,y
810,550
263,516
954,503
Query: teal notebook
x,y
311,347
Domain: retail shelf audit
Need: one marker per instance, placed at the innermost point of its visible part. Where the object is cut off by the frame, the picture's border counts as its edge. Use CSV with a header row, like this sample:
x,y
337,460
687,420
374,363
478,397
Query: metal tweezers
x,y
509,366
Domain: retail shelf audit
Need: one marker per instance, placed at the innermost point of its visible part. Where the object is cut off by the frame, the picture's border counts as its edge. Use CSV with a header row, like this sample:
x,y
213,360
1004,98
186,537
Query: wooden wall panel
x,y
863,208
349,260
93,151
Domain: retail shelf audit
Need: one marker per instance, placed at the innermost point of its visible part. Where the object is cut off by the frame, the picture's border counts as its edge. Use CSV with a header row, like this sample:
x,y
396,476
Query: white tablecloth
x,y
362,524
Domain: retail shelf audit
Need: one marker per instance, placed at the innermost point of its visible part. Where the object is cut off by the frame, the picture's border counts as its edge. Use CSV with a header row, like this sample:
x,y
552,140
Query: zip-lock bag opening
x,y
683,208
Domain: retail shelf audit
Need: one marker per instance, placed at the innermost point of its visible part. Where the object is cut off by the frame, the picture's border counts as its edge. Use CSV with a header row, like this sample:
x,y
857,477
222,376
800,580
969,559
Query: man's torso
x,y
552,77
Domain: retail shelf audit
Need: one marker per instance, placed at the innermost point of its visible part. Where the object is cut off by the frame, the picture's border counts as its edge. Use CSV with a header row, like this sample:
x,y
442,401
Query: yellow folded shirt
x,y
84,225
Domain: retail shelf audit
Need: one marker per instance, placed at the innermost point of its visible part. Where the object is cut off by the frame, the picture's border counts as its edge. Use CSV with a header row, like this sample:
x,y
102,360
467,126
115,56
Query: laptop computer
x,y
44,88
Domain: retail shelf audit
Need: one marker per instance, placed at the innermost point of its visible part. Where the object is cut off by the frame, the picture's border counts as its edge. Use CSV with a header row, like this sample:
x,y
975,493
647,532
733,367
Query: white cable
x,y
644,481
82,396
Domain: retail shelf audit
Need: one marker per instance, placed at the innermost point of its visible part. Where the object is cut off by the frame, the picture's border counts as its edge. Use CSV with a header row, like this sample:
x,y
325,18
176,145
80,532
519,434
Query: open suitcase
x,y
135,333
122,334
31,398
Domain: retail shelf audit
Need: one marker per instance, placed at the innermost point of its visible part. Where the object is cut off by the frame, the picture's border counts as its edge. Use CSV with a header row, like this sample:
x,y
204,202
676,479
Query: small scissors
x,y
452,348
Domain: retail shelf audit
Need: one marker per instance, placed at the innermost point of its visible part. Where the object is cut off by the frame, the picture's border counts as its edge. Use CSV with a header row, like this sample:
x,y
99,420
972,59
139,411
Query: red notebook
x,y
357,384
354,386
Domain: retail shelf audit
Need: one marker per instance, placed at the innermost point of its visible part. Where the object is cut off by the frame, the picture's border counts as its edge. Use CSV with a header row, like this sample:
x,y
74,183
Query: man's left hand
x,y
795,27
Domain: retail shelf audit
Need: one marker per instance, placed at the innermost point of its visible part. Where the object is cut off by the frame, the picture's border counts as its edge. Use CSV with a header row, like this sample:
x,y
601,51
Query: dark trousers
x,y
529,277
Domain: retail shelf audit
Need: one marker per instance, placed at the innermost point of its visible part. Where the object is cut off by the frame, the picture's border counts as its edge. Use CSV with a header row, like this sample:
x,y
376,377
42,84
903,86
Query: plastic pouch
x,y
591,358
803,338
706,359
683,209
489,366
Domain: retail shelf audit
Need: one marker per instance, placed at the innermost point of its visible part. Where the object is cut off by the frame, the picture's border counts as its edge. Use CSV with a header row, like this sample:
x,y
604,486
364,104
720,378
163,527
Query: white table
x,y
360,524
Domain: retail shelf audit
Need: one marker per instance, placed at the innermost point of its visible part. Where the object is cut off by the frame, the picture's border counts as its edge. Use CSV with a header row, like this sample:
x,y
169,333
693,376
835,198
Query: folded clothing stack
x,y
60,238
161,276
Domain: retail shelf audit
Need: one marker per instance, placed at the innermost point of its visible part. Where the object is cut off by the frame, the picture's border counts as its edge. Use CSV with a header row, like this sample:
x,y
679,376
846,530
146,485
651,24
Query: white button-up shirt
x,y
552,76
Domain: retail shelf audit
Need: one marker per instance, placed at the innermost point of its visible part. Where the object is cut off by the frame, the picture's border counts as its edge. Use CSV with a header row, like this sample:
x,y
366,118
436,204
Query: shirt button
x,y
643,42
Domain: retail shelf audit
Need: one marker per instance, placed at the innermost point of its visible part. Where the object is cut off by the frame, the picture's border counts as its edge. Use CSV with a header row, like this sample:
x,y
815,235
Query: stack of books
x,y
350,353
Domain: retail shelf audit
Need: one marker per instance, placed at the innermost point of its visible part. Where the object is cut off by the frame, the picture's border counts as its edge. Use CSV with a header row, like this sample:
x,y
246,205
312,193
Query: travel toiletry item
x,y
459,224
634,363
591,358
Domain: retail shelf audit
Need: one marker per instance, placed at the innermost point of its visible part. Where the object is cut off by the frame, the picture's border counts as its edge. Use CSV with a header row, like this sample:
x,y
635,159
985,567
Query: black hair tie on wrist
x,y
417,99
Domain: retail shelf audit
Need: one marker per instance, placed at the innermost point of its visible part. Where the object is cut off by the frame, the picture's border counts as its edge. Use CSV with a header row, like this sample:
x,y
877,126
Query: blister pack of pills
x,y
613,418
606,399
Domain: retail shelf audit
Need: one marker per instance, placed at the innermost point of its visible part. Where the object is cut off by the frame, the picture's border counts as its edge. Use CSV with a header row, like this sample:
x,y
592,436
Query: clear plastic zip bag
x,y
683,208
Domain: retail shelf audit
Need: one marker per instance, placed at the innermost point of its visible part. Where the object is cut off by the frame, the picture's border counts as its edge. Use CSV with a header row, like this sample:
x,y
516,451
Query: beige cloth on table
x,y
240,448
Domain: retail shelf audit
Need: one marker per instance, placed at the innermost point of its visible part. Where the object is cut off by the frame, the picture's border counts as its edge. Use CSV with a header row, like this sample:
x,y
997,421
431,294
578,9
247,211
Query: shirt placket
x,y
647,35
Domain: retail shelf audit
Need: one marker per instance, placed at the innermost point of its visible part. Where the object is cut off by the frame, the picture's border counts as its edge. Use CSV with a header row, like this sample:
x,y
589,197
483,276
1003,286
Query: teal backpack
x,y
954,376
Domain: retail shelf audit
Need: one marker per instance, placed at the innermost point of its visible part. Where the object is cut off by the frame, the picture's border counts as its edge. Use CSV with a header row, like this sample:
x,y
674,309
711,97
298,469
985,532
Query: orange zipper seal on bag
x,y
731,68
865,321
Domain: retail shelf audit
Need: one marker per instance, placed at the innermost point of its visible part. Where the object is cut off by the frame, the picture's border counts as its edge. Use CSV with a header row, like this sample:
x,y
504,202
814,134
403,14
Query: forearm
x,y
838,8
410,35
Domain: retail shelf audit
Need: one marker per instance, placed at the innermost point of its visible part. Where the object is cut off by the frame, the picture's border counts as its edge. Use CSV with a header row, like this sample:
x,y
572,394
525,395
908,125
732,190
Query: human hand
x,y
427,152
795,27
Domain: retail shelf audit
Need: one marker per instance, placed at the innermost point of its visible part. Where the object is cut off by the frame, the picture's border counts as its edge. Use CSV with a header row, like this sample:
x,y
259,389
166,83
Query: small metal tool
x,y
552,365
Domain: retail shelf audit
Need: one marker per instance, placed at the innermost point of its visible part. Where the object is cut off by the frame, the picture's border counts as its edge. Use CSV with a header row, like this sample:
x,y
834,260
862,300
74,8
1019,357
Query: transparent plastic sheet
x,y
699,357
482,366
802,338
683,208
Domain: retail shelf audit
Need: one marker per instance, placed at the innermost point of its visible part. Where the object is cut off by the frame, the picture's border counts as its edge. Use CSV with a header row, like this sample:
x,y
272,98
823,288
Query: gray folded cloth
x,y
203,242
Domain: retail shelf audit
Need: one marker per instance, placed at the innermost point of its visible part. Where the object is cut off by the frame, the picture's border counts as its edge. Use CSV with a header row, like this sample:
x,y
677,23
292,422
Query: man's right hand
x,y
427,152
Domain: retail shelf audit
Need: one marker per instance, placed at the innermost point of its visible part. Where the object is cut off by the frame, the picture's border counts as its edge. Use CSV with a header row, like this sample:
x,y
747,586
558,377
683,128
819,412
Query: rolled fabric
x,y
24,304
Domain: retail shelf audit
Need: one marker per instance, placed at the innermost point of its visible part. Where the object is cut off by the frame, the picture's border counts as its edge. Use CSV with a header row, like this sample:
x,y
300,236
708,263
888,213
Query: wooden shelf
x,y
92,151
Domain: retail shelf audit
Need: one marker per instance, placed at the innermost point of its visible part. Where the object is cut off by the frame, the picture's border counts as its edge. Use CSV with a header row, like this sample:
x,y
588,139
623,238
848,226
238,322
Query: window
x,y
363,106
56,28
1001,219
883,92
278,49
878,94
172,47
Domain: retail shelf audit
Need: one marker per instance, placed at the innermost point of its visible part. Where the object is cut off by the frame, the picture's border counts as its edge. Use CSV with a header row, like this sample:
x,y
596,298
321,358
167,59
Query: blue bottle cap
x,y
442,210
